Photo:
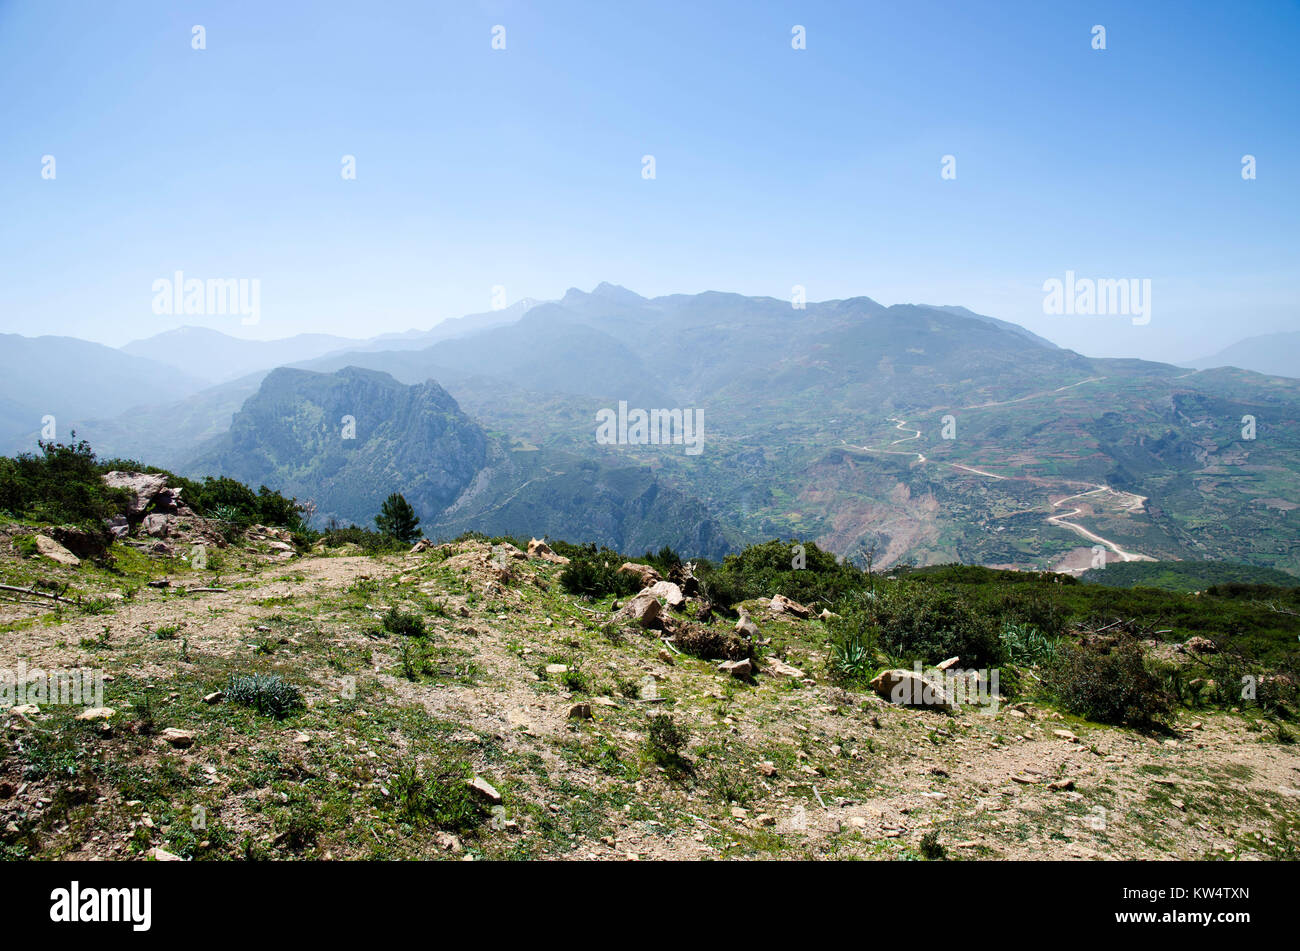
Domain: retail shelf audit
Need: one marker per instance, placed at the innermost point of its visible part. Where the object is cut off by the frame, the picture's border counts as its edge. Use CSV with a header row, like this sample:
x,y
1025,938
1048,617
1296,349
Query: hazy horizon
x,y
520,171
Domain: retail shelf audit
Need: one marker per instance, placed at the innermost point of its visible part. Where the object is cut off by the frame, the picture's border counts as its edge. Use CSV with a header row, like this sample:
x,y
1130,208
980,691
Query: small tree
x,y
397,518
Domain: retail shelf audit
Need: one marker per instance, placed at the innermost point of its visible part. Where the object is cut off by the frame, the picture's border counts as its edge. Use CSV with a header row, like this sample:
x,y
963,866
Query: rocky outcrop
x,y
143,487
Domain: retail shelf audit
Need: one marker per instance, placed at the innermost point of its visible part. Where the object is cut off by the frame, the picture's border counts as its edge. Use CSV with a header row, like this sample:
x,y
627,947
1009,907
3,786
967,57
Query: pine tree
x,y
398,519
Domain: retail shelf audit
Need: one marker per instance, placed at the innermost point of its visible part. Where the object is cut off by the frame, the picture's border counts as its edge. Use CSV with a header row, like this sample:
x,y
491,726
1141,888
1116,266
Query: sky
x,y
522,168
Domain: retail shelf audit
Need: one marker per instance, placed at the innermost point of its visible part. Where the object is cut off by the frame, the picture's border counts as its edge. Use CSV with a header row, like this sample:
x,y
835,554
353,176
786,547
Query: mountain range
x,y
904,433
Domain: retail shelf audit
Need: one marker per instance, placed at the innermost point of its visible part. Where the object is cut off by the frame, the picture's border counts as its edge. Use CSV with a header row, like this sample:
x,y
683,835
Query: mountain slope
x,y
217,357
1275,354
347,439
75,380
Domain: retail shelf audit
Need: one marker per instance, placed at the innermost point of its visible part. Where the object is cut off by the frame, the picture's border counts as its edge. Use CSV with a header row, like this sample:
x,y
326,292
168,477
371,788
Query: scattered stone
x,y
944,665
740,669
827,615
1199,645
767,768
155,525
213,697
557,669
92,714
666,656
779,668
485,789
421,546
1061,785
580,711
1066,735
159,854
180,739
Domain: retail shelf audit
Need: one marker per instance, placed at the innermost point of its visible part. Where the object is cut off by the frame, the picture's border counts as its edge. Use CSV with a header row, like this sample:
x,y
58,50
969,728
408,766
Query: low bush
x,y
439,796
594,572
404,623
1109,683
931,624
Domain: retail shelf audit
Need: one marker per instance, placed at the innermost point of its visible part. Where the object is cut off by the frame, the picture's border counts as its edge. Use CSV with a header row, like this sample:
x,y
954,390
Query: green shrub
x,y
666,739
266,693
1109,683
770,568
1025,644
61,484
594,572
930,624
852,657
404,623
439,796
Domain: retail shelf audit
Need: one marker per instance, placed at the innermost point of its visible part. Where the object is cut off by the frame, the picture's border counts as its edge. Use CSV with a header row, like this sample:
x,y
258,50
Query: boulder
x,y
910,689
780,604
580,711
422,545
668,591
684,577
144,488
644,609
644,573
55,552
118,526
92,714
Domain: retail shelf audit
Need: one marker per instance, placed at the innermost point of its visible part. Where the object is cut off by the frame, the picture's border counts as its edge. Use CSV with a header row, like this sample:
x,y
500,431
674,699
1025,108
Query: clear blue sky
x,y
775,167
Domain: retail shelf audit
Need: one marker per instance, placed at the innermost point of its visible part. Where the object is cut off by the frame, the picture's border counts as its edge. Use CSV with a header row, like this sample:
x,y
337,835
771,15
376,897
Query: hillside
x,y
457,701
